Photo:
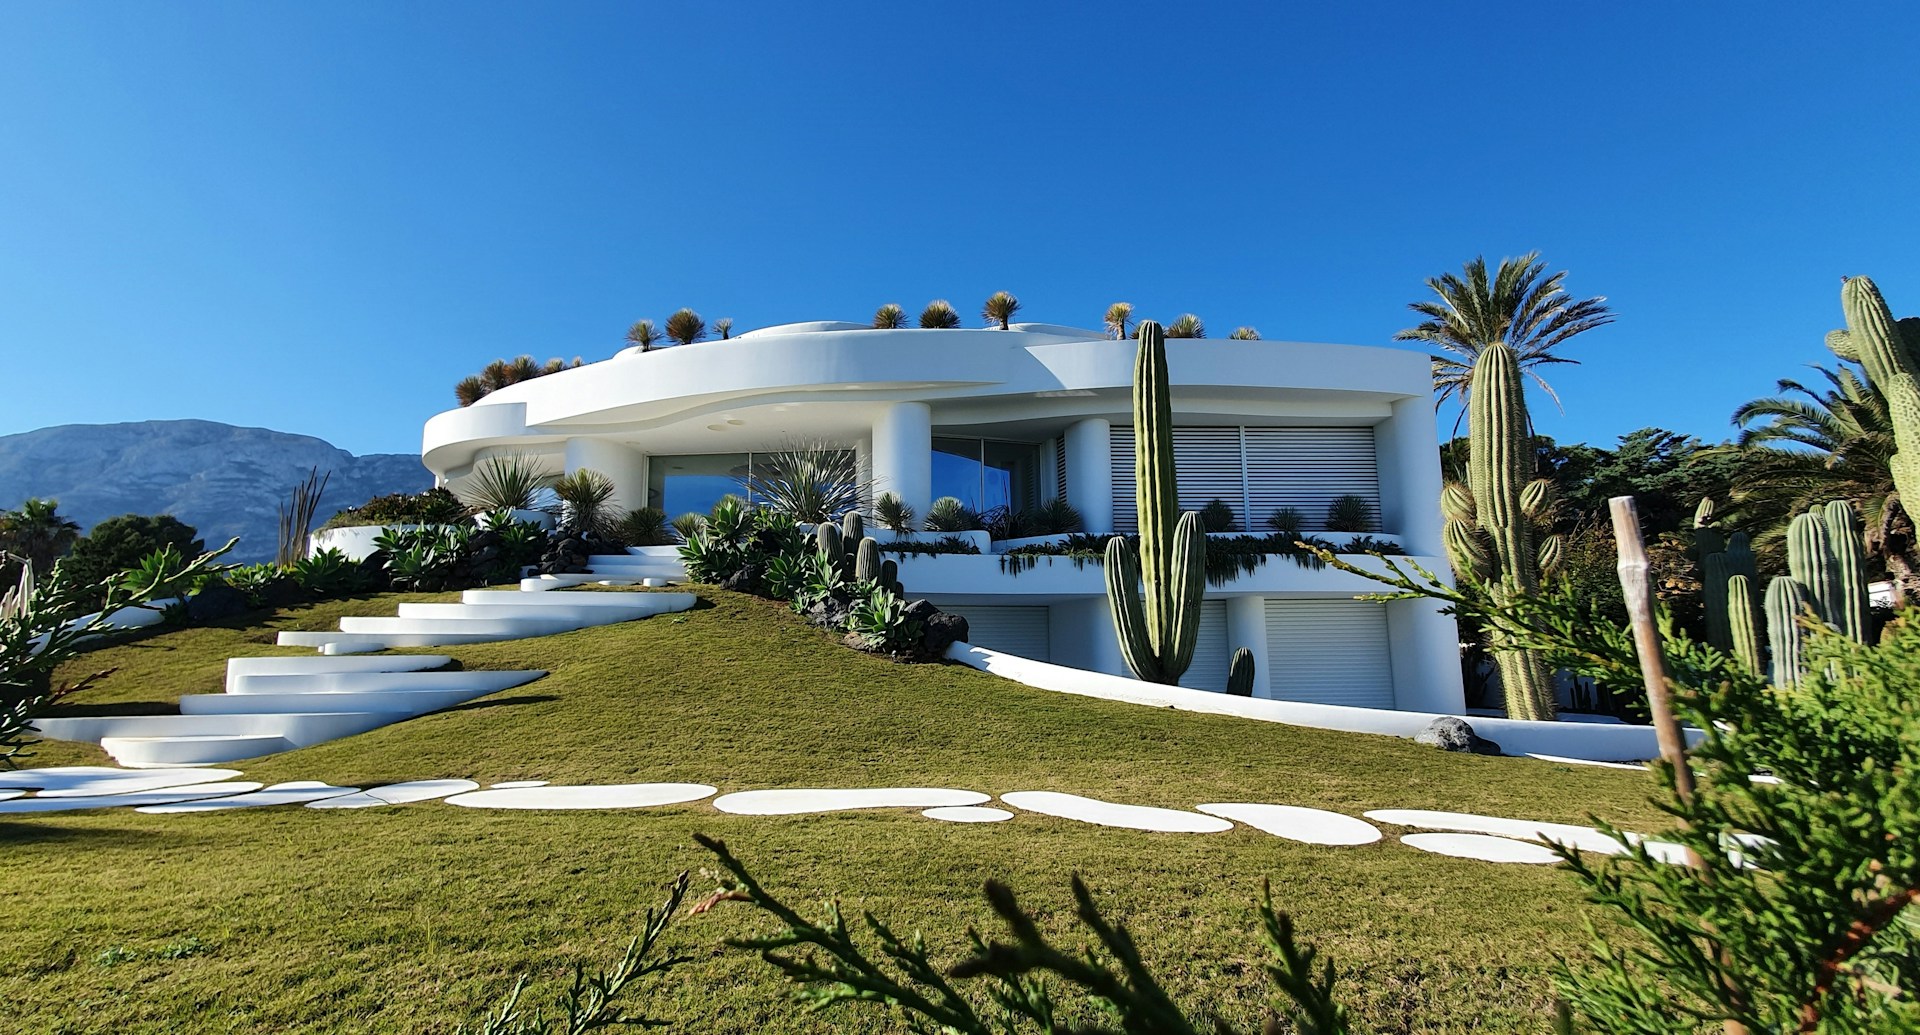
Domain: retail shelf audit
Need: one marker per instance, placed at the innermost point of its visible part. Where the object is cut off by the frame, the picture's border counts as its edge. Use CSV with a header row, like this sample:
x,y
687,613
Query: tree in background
x,y
121,543
37,533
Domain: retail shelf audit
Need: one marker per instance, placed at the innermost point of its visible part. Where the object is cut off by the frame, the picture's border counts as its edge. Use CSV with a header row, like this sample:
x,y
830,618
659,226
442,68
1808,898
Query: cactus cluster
x,y
1157,635
1889,350
863,563
1826,578
1494,521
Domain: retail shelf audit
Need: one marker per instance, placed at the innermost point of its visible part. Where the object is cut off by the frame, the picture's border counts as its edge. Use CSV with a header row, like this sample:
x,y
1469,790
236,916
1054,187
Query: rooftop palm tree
x,y
939,314
1119,315
1000,307
725,326
1187,325
643,335
889,316
470,389
1530,311
1244,334
37,532
685,327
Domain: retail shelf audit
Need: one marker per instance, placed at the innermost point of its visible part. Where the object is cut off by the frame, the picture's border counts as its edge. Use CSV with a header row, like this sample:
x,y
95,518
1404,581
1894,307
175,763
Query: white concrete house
x,y
1020,416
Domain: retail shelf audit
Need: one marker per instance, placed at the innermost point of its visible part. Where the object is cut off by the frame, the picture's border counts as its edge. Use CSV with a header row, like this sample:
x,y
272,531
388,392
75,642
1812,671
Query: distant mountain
x,y
224,481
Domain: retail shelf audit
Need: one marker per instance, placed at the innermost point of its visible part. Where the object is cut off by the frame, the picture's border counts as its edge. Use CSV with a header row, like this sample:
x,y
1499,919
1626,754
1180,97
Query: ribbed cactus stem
x,y
1850,607
890,577
1786,602
1240,673
1810,562
1890,352
1713,592
866,562
1470,551
1744,625
827,539
853,527
1706,538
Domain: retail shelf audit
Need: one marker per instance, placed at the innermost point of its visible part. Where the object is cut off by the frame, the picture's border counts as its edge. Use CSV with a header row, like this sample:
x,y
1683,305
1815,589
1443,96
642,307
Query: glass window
x,y
1009,474
683,484
956,470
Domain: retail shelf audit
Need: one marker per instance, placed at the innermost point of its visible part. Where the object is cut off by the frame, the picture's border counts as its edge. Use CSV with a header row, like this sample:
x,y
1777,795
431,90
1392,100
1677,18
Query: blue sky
x,y
317,217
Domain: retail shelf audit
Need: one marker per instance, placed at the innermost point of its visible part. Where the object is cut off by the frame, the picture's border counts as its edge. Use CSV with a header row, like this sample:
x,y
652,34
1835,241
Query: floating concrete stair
x,y
543,583
362,643
241,670
157,752
485,681
298,730
403,703
576,614
638,565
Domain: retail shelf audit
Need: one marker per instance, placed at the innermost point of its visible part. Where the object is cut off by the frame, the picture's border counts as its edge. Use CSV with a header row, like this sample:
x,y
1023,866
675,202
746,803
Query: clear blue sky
x,y
317,217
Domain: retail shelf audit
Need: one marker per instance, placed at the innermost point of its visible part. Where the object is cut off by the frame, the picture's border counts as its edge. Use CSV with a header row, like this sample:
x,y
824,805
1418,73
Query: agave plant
x,y
586,502
688,525
469,390
511,482
643,335
889,317
813,483
1350,513
1000,307
1186,325
893,513
1244,334
939,315
1119,315
724,325
685,327
643,526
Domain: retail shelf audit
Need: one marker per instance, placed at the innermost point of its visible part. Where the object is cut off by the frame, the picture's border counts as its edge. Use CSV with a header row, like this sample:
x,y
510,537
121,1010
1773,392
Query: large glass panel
x,y
682,484
956,470
1010,476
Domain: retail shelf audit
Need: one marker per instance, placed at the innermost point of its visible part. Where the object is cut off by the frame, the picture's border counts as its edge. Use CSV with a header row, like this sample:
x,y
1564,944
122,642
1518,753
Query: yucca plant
x,y
724,326
1000,307
1244,334
685,327
1287,520
586,502
1217,516
511,482
889,317
643,335
688,525
939,315
893,513
1350,513
1057,517
1119,316
643,526
1187,325
813,483
948,514
469,390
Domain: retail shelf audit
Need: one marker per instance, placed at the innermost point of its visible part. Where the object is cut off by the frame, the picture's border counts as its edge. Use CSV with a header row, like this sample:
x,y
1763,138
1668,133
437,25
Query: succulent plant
x,y
1244,334
939,315
1186,325
685,327
1119,317
1000,307
889,317
893,513
1890,352
643,335
1240,674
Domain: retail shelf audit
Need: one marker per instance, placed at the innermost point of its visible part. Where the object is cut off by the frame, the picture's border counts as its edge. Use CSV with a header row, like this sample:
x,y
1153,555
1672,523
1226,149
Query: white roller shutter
x,y
1024,632
1329,652
1256,471
1207,462
1210,654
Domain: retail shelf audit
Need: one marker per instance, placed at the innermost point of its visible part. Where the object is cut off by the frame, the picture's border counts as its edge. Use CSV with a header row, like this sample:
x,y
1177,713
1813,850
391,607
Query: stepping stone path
x,y
1113,814
1312,826
968,814
796,801
1483,847
160,796
1587,839
597,796
396,794
85,780
293,793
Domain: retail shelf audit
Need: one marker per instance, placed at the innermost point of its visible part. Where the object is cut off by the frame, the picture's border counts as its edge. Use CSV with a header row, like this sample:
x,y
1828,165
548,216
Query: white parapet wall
x,y
1589,741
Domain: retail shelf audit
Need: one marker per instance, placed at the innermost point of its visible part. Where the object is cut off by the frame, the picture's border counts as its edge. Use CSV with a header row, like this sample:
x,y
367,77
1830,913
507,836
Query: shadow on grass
x,y
116,708
17,834
482,705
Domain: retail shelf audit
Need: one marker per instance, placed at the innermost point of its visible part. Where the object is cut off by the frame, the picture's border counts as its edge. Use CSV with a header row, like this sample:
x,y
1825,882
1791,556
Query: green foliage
x,y
1227,557
878,621
738,537
939,315
685,327
460,556
1007,523
500,373
436,506
643,335
591,1002
328,574
586,502
1240,673
511,482
1350,513
893,513
256,580
1244,334
1005,987
1217,516
724,326
853,527
1286,520
1186,325
1118,320
154,569
296,516
122,543
948,514
1057,517
917,548
643,526
866,561
813,483
1890,353
37,533
889,317
688,525
999,308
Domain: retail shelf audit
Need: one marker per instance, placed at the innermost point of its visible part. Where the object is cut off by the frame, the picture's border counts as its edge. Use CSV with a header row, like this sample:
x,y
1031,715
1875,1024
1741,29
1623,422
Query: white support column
x,y
1408,450
1247,627
1425,649
625,465
903,454
1089,445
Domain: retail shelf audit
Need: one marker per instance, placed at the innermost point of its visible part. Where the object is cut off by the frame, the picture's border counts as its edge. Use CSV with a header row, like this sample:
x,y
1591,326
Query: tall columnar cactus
x,y
866,561
1507,505
1743,624
1810,561
832,546
1714,594
1890,352
1786,600
1848,609
1156,636
1240,674
853,527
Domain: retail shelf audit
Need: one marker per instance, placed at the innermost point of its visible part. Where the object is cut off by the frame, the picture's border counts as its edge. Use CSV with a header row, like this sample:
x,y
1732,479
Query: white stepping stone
x,y
1296,823
134,799
520,783
794,801
88,780
968,814
1588,761
1113,814
1482,846
1587,839
296,792
587,796
4,795
396,794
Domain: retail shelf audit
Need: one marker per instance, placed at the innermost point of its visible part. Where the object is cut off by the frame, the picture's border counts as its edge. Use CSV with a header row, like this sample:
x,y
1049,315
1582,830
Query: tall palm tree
x,y
685,327
1119,315
939,314
1187,325
1520,305
643,335
889,317
37,532
1000,307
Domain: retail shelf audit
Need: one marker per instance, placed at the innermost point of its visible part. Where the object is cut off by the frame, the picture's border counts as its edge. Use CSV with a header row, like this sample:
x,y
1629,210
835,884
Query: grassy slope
x,y
403,919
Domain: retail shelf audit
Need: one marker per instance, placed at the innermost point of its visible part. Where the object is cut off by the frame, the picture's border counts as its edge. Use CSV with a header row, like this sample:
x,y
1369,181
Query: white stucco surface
x,y
396,794
293,792
84,780
968,814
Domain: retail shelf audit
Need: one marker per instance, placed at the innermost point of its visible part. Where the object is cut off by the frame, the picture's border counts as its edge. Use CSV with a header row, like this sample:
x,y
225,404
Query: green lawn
x,y
408,919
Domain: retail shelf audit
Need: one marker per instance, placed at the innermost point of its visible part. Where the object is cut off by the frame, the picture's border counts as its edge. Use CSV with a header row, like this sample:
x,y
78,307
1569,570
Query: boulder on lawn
x,y
1450,733
943,630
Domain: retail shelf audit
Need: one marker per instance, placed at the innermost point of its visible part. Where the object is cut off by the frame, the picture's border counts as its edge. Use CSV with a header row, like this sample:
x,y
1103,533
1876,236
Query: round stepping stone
x,y
396,794
1482,846
295,792
1296,823
1588,761
584,796
132,799
968,814
520,783
1587,839
88,780
794,801
4,795
1113,814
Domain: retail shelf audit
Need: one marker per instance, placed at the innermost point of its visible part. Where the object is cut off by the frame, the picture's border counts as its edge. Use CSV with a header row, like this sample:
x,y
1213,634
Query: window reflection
x,y
683,484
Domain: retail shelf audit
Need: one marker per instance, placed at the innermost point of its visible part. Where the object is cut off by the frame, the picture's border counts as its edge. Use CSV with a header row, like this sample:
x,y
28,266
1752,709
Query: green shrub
x,y
688,525
878,622
948,514
643,526
510,482
1350,513
1216,516
944,544
123,543
435,506
327,574
1287,520
1006,523
893,513
586,502
1057,517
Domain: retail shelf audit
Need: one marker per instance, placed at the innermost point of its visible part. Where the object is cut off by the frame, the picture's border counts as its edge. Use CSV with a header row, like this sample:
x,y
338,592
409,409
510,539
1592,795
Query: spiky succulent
x,y
1000,307
643,335
1119,316
685,327
939,315
889,316
1244,334
724,326
1187,325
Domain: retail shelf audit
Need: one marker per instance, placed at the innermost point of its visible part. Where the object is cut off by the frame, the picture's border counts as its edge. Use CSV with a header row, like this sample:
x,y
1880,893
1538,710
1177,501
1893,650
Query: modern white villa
x,y
1021,416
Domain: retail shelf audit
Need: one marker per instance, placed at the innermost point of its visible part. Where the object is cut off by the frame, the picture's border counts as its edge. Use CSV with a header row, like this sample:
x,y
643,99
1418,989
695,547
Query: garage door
x,y
1021,631
1210,655
1329,652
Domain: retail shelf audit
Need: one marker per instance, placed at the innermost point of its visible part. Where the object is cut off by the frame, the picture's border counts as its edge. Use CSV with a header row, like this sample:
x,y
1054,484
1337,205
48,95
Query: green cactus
x,y
1552,555
1848,609
1706,538
866,562
853,527
1890,352
827,538
890,577
1471,551
1156,636
1507,505
1713,593
1786,601
1743,624
1810,561
1240,674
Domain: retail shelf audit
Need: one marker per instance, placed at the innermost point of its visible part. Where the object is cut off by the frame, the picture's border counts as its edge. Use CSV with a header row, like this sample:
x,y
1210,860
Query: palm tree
x,y
470,389
939,314
685,327
1000,307
725,326
643,335
1531,313
1119,315
1244,334
37,532
889,317
1187,325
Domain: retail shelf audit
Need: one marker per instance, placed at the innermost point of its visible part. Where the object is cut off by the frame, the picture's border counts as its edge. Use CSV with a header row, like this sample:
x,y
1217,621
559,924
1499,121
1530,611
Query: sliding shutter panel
x,y
1329,652
1207,461
1024,632
1309,468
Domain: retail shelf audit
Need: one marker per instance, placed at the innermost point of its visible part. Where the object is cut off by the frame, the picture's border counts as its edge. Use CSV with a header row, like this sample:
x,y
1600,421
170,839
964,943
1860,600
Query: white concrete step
x,y
504,628
152,752
360,643
632,562
543,583
400,703
241,669
580,615
299,730
326,683
550,598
